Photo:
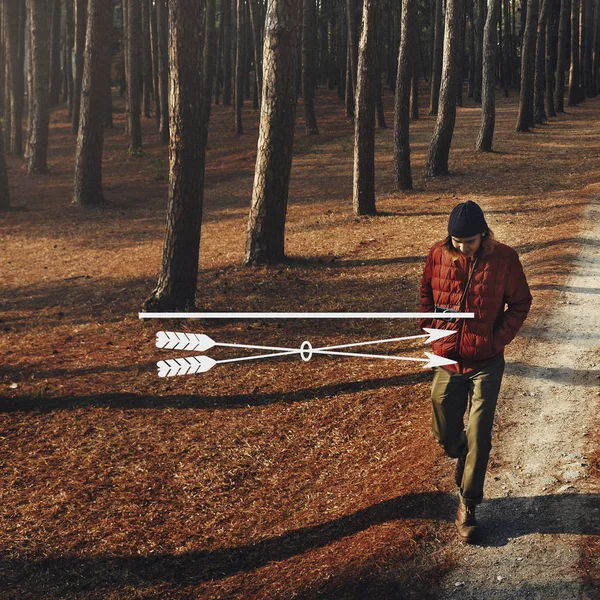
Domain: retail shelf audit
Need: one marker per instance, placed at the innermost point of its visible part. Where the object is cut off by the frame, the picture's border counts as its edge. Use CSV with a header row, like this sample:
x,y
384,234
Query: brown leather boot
x,y
466,525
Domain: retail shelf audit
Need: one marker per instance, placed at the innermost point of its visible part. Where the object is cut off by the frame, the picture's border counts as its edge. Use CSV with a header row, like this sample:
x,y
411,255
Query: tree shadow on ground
x,y
141,401
501,518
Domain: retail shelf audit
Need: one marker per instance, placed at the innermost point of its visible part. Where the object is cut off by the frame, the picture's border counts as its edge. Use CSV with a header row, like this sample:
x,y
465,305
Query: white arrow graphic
x,y
201,364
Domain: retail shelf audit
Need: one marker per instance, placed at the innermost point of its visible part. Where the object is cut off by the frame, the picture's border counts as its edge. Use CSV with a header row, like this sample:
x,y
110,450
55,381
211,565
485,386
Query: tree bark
x,y
525,116
488,89
227,59
154,49
256,22
574,93
539,109
176,287
55,70
163,68
15,20
506,48
309,65
438,51
551,31
479,14
406,64
363,195
68,56
40,119
80,7
4,191
90,136
352,59
439,149
134,75
266,223
588,18
561,55
146,60
239,68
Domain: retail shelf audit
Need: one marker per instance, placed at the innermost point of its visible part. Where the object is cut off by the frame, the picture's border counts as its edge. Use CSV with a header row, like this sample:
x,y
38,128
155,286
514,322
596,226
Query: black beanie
x,y
466,220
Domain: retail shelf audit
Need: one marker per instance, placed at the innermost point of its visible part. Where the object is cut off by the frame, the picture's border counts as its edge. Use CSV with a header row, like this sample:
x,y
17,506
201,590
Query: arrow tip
x,y
437,361
437,334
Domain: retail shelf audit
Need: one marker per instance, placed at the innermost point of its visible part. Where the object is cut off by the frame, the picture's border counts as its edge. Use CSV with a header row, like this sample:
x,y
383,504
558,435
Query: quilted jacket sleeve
x,y
518,298
427,304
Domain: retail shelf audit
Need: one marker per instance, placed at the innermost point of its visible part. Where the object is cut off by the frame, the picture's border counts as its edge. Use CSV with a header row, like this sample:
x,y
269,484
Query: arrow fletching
x,y
171,340
185,366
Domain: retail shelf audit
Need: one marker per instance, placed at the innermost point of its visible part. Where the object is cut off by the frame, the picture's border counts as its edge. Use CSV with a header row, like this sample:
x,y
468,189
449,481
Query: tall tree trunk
x,y
460,76
134,75
90,136
488,89
4,191
209,64
379,114
479,17
309,65
363,188
40,118
574,93
239,67
406,64
256,22
80,7
551,31
266,223
162,24
353,58
14,17
561,55
596,55
176,287
439,149
227,58
438,50
146,60
68,55
525,116
154,49
506,47
125,37
588,77
55,71
539,109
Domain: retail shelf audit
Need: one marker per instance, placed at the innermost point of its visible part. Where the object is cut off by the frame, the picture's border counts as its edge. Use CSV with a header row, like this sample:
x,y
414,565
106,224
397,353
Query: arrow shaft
x,y
319,351
290,350
257,357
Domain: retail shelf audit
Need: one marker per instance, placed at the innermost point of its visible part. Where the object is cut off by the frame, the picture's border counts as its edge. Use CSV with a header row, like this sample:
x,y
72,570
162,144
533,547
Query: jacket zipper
x,y
462,321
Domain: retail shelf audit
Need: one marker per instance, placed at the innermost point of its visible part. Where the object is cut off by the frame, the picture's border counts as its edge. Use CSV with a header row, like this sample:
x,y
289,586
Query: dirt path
x,y
540,499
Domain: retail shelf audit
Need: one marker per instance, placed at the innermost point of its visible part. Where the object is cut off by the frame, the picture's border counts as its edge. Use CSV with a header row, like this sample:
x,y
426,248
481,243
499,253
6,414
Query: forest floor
x,y
283,478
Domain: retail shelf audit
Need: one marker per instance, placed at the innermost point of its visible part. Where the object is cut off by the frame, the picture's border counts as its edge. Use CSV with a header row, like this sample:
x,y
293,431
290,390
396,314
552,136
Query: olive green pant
x,y
474,393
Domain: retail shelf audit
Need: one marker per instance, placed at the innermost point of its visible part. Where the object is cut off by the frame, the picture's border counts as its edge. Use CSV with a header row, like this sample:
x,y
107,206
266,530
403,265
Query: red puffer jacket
x,y
497,280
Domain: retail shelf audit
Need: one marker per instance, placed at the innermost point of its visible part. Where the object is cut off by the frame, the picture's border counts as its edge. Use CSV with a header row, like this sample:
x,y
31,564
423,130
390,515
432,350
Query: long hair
x,y
487,245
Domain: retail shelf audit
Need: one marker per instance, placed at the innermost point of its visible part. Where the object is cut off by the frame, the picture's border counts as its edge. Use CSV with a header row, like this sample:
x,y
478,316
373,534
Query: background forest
x,y
244,155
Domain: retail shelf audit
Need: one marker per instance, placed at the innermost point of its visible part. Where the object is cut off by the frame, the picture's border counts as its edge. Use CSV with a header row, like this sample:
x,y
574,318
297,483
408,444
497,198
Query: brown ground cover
x,y
266,479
